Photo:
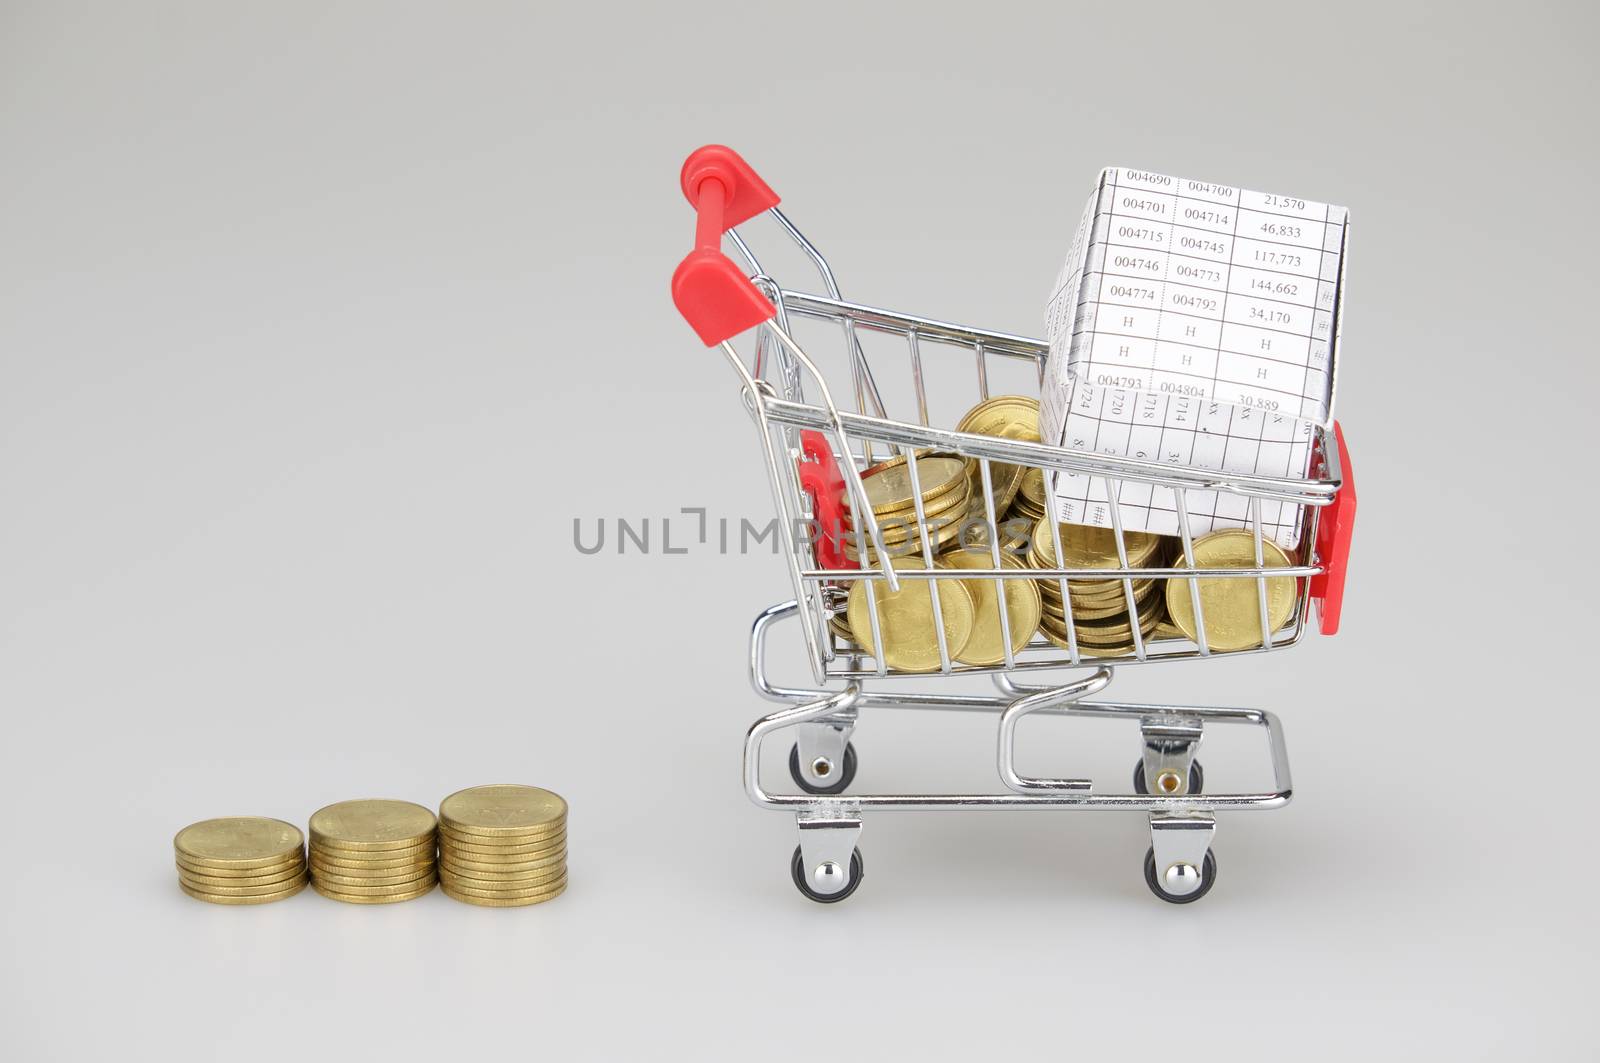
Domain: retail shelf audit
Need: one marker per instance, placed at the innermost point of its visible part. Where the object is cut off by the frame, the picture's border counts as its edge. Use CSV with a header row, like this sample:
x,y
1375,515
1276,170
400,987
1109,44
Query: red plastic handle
x,y
821,479
711,293
1334,531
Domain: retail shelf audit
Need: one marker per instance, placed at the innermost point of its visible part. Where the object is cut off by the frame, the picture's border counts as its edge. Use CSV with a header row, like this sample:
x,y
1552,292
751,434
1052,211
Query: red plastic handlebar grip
x,y
821,479
711,293
1334,532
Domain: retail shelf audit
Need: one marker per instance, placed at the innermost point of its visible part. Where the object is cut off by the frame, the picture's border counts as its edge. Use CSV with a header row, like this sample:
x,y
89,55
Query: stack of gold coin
x,y
945,490
906,618
1099,607
1029,502
373,851
1232,607
240,860
503,846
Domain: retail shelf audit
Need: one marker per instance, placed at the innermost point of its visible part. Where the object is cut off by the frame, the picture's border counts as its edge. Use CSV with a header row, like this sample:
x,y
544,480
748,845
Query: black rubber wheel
x,y
1197,778
797,871
1208,877
847,772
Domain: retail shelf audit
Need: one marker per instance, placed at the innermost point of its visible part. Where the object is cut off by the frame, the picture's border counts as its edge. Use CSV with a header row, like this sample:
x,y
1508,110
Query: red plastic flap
x,y
821,478
716,298
1334,531
748,194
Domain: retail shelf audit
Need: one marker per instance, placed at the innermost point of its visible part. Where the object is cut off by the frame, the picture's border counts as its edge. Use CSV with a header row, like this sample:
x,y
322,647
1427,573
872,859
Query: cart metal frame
x,y
827,866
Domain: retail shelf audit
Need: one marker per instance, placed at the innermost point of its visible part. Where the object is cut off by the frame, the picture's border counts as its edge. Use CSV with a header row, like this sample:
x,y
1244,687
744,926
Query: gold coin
x,y
204,881
356,889
372,825
992,415
200,867
504,856
356,884
888,484
1118,637
1005,417
336,860
453,887
951,499
503,811
906,619
940,535
1168,630
902,525
264,898
376,876
541,838
1101,609
1091,592
528,851
374,898
839,624
367,857
1232,606
471,866
491,881
1087,547
239,842
941,528
511,902
240,891
1031,490
986,644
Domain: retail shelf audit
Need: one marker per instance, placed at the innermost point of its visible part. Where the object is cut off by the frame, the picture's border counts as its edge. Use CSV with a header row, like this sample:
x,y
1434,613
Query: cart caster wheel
x,y
802,881
846,772
1180,875
1197,778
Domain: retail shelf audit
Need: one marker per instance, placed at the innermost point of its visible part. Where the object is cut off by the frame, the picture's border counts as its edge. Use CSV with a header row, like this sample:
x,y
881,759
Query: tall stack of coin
x,y
1101,623
373,851
945,491
1232,607
503,846
240,860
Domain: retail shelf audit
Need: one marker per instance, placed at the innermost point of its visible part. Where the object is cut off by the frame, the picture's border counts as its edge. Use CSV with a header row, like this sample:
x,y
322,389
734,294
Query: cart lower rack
x,y
817,457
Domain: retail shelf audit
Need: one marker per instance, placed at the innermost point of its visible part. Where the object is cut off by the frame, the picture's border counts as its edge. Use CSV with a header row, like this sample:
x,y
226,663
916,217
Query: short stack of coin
x,y
945,488
503,846
373,851
1100,618
240,860
1029,502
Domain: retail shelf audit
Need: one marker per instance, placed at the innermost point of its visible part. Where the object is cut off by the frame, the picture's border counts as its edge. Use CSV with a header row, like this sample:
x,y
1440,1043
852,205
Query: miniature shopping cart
x,y
815,451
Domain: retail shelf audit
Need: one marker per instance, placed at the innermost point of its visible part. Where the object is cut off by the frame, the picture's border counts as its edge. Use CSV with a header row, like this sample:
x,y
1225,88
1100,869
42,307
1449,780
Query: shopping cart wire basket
x,y
815,451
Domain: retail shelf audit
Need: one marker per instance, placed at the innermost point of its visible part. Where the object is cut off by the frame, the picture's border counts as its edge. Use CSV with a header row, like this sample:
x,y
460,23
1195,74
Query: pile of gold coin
x,y
956,514
1100,618
503,846
240,860
373,851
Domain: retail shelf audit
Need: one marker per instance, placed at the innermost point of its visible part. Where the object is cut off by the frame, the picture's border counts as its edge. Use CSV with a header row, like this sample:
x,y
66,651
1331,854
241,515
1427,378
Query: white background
x,y
320,324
